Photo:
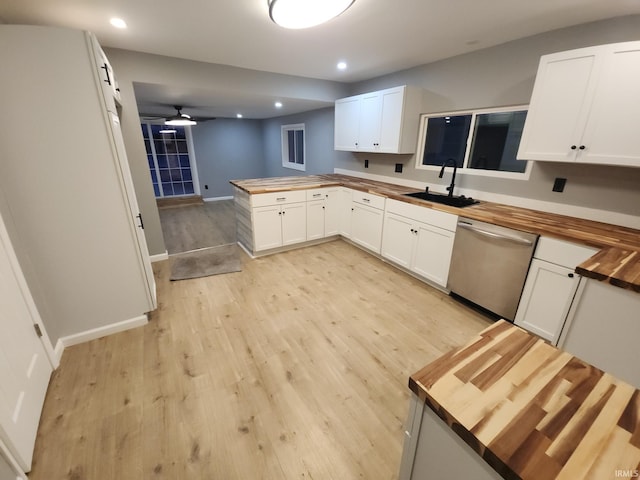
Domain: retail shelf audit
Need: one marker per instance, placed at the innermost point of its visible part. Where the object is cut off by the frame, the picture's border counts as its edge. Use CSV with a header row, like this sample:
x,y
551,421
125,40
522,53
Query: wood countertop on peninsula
x,y
618,262
532,411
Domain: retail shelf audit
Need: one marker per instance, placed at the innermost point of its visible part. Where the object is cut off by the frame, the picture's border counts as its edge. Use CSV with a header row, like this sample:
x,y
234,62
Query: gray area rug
x,y
206,262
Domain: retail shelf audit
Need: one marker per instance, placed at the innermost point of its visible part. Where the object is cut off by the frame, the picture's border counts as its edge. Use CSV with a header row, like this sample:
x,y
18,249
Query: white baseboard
x,y
159,257
99,332
217,199
594,214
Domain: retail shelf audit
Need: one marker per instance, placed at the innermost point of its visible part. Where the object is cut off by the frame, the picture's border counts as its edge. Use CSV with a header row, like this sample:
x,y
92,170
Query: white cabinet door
x,y
559,106
332,212
370,122
294,223
366,226
315,219
347,124
398,239
432,254
391,121
267,227
611,135
546,299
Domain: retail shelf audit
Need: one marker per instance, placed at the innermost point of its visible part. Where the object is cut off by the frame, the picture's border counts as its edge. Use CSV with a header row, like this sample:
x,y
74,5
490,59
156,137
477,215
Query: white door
x,y
559,106
432,254
611,135
366,226
398,238
347,118
370,122
267,227
294,223
24,366
315,219
546,299
137,224
332,212
346,211
391,120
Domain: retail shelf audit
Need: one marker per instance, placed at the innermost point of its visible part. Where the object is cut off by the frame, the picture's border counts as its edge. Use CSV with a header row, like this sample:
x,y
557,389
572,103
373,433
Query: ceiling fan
x,y
177,119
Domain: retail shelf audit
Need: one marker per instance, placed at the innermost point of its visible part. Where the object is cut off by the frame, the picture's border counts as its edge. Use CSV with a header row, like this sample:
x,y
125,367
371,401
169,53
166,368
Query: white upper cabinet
x,y
384,121
583,107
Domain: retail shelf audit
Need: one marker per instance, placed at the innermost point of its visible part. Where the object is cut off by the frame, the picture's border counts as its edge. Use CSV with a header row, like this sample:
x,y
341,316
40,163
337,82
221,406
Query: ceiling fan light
x,y
305,13
180,119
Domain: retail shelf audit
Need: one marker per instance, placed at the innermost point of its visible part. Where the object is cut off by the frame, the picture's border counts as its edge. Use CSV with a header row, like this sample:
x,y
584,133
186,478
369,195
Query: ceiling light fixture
x,y
118,23
342,65
167,130
238,115
180,119
305,13
278,104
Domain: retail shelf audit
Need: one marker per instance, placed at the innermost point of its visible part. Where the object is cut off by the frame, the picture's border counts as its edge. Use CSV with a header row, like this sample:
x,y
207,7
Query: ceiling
x,y
374,37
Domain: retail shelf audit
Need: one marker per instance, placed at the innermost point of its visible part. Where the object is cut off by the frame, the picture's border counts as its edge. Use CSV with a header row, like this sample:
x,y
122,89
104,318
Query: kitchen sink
x,y
453,201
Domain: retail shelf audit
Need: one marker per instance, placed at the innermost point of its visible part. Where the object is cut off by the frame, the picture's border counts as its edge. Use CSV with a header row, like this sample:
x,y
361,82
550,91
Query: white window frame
x,y
284,130
465,170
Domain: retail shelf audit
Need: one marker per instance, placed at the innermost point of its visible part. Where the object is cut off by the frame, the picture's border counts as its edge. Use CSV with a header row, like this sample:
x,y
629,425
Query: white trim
x,y
285,146
217,199
100,332
158,257
597,215
193,164
465,169
59,350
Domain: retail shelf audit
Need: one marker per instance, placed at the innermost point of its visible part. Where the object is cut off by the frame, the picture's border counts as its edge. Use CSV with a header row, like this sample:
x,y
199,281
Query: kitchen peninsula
x,y
527,409
597,320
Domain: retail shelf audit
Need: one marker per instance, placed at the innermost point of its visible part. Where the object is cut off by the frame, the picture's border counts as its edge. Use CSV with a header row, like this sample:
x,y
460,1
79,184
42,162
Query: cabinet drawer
x,y
277,198
563,253
316,194
375,201
426,215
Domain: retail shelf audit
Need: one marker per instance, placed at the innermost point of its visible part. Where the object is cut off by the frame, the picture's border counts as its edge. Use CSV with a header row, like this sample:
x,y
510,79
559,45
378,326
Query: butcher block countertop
x,y
533,411
618,263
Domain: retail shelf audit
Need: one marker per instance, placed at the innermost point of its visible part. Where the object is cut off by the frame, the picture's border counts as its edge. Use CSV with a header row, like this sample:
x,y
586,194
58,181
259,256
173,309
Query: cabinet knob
x,y
570,275
582,147
573,147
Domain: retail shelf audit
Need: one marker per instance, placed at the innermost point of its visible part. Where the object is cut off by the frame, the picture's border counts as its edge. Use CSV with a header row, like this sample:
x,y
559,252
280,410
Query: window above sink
x,y
481,142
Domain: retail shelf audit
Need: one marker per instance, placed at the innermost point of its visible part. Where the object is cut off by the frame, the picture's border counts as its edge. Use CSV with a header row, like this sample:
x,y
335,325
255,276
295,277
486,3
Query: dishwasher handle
x,y
521,241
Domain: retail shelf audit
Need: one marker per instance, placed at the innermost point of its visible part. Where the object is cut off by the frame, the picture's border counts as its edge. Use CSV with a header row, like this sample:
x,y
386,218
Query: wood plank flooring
x,y
192,227
295,368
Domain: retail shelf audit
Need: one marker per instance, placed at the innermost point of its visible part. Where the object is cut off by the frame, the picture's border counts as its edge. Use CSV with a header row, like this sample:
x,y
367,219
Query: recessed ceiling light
x,y
342,65
278,104
239,115
167,131
118,23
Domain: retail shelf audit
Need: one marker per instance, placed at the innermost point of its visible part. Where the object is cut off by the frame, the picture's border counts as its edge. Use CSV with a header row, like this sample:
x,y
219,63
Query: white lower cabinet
x,y
551,287
279,225
416,245
345,211
323,212
367,216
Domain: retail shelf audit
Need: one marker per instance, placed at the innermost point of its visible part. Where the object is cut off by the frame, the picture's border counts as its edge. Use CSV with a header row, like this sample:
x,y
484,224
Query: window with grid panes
x,y
168,159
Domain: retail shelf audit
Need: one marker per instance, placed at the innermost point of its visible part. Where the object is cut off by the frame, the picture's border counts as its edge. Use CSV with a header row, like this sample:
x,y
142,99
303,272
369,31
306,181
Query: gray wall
x,y
227,149
504,75
320,155
131,67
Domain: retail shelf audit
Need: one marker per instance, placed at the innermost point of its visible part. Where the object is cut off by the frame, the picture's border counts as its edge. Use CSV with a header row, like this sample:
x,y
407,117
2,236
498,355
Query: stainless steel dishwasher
x,y
489,265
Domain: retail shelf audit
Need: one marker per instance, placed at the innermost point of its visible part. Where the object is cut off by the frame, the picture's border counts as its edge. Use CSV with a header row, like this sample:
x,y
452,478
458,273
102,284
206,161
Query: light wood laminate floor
x,y
294,368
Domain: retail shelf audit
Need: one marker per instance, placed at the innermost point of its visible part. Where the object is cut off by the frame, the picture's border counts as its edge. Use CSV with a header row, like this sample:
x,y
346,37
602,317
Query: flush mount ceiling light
x,y
305,13
179,118
118,23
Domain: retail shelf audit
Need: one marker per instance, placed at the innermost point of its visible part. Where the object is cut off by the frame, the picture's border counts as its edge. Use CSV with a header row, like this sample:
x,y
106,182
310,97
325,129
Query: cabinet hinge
x,y
38,331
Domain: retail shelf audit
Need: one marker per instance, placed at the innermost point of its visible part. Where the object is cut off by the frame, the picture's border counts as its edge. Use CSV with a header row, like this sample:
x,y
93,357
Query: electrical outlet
x,y
366,163
558,184
398,168
206,187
